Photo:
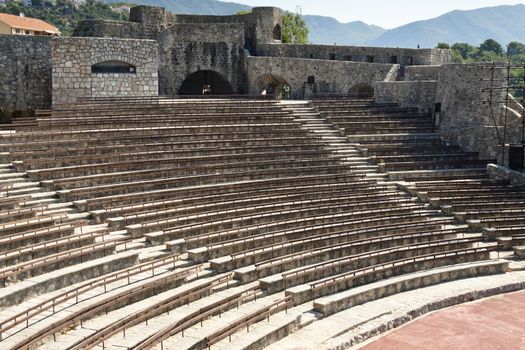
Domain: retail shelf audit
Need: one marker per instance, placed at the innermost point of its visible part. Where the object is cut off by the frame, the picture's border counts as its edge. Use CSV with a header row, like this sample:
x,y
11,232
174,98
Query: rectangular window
x,y
393,59
348,58
370,59
332,56
113,67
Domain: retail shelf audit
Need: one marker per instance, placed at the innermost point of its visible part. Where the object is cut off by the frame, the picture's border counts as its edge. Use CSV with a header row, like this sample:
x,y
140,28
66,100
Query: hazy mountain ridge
x,y
327,30
502,23
200,7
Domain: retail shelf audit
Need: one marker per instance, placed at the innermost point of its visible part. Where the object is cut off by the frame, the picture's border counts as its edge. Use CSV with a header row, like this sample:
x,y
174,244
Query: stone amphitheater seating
x,y
142,222
437,173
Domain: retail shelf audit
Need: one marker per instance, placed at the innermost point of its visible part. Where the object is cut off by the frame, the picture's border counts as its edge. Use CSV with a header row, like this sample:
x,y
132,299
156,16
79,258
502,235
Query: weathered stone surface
x,y
466,117
358,54
72,76
419,73
244,50
420,94
25,73
330,76
500,173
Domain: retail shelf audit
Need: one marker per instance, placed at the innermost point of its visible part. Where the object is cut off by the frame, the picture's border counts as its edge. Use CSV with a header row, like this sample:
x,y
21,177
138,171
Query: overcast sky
x,y
385,13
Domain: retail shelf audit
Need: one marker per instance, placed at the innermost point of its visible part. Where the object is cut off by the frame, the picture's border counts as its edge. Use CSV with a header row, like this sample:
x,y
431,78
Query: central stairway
x,y
407,150
332,138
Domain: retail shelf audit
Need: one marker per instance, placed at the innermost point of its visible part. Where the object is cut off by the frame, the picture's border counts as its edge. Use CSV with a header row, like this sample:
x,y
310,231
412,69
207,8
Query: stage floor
x,y
496,323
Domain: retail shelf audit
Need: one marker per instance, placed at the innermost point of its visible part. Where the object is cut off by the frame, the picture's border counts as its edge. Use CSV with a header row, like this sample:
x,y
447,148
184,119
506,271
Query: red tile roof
x,y
27,23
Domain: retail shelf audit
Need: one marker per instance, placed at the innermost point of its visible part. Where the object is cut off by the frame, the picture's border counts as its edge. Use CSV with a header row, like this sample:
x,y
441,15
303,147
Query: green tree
x,y
443,46
491,45
463,52
515,48
243,12
64,14
489,56
294,30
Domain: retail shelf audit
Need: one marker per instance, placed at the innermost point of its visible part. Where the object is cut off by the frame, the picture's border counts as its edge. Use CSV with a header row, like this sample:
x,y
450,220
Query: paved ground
x,y
495,323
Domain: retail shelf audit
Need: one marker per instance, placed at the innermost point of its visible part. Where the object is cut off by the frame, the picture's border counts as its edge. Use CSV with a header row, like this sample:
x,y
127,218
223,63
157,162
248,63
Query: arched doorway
x,y
277,33
270,84
205,82
362,90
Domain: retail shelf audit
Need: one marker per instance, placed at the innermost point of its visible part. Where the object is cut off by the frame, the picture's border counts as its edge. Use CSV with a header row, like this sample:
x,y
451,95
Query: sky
x,y
385,13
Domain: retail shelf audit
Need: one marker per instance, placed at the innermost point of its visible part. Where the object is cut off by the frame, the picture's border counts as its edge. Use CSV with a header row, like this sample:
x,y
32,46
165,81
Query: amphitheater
x,y
310,197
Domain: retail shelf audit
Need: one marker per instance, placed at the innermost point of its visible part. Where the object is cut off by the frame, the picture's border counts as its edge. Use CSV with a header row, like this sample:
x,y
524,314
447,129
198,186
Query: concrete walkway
x,y
494,323
360,323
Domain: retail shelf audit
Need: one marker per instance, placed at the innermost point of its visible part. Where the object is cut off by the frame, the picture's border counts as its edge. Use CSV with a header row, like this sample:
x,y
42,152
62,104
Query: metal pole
x,y
523,111
506,113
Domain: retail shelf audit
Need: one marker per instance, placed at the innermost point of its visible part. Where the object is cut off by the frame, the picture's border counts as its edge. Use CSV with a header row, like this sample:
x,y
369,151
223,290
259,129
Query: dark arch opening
x,y
270,84
113,67
277,33
362,90
205,82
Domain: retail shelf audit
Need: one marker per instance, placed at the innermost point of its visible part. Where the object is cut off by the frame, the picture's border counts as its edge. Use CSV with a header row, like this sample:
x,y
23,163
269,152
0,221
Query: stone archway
x,y
277,32
270,84
206,82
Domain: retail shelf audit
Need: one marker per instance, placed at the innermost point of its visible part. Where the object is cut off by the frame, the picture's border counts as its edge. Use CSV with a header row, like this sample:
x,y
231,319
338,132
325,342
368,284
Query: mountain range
x,y
502,23
197,7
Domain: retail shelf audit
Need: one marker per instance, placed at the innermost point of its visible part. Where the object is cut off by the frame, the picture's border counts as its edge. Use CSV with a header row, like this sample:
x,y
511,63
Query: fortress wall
x,y
188,48
73,58
148,22
330,76
25,74
418,94
465,120
419,73
357,53
258,25
112,29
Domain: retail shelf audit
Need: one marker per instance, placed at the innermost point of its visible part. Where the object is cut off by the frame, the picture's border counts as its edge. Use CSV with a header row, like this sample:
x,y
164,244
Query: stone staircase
x,y
332,138
14,184
415,160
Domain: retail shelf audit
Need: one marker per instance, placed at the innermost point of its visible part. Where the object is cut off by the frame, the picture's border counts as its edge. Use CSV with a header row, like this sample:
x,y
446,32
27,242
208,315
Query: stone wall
x,y
500,173
357,53
419,73
188,48
25,75
329,76
73,58
258,25
465,119
149,22
112,29
418,94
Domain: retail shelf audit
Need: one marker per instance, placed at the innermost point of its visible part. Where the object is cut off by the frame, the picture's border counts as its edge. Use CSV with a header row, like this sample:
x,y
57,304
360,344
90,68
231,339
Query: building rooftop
x,y
27,23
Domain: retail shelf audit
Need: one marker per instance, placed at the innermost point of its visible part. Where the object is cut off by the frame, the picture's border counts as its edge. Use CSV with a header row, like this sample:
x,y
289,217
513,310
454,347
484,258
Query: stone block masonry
x,y
405,57
25,74
73,58
465,119
188,48
500,173
417,94
328,76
